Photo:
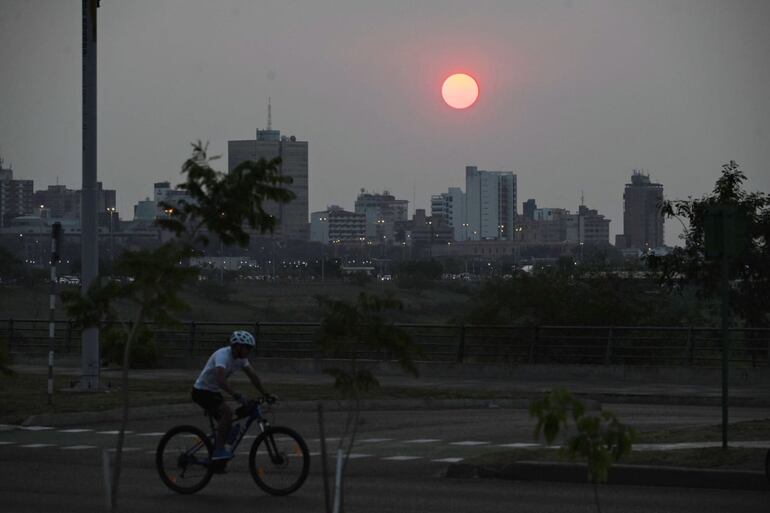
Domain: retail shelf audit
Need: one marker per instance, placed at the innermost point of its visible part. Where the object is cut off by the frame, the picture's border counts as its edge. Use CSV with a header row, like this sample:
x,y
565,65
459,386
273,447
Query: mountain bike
x,y
279,460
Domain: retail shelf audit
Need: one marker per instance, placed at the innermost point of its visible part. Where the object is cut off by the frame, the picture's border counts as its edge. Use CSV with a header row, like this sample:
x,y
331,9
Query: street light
x,y
111,210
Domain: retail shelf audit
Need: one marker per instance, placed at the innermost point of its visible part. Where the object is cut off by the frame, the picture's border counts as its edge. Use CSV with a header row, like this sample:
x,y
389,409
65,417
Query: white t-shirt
x,y
222,357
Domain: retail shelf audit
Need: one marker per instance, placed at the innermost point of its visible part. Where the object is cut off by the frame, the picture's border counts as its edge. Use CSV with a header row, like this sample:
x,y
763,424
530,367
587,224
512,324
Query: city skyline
x,y
573,97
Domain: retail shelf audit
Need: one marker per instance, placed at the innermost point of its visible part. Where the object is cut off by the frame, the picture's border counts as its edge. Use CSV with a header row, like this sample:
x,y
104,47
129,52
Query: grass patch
x,y
750,430
734,458
25,394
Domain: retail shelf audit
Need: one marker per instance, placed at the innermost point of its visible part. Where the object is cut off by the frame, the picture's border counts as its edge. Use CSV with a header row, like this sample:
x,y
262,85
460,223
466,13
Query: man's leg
x,y
223,426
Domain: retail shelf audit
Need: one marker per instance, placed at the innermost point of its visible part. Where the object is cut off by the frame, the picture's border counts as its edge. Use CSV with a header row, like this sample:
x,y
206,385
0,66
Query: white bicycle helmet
x,y
242,337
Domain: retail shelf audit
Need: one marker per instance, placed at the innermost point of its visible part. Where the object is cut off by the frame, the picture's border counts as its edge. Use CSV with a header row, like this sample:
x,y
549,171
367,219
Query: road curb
x,y
638,475
153,412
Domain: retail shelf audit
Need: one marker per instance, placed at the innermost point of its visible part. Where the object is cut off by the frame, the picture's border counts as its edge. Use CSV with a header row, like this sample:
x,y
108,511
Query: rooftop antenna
x,y
414,194
269,114
582,198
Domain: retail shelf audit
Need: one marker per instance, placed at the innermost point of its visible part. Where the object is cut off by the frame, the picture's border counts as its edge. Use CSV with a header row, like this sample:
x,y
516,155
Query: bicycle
x,y
279,460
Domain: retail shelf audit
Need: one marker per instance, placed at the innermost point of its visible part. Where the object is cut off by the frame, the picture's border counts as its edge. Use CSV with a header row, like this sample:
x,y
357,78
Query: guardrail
x,y
604,345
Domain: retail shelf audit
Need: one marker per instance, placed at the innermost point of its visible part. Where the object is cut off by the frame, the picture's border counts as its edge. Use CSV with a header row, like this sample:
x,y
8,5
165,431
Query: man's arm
x,y
221,377
255,380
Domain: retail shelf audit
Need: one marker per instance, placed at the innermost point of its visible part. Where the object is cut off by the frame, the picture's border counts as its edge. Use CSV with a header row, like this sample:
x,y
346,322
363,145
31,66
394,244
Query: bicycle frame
x,y
255,415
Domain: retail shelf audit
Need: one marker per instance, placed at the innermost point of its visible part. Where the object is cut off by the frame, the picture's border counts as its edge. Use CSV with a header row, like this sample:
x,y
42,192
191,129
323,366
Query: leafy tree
x,y
688,266
221,205
348,329
600,439
11,267
5,358
575,296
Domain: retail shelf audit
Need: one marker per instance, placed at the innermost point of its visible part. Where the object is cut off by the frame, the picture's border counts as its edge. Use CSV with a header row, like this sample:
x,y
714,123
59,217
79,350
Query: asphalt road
x,y
399,465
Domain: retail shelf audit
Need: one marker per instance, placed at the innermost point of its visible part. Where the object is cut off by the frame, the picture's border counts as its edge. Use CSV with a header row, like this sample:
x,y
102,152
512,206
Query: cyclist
x,y
207,390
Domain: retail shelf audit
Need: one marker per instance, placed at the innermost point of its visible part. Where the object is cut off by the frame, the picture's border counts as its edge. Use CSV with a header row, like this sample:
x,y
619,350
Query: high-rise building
x,y
337,225
588,226
490,202
642,215
145,210
450,206
59,201
528,209
15,196
382,212
425,231
292,217
64,203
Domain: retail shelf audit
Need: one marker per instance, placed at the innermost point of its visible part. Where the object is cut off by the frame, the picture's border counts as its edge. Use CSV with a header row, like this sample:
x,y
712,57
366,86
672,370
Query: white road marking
x,y
402,458
374,440
126,449
448,460
150,434
36,446
356,456
75,430
36,428
520,445
4,442
112,432
328,439
422,441
77,447
469,443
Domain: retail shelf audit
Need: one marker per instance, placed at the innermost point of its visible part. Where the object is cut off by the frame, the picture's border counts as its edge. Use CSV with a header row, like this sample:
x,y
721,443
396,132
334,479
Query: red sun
x,y
460,91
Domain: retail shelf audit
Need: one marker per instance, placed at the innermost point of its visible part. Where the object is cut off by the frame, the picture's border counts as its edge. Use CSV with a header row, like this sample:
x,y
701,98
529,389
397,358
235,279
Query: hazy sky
x,y
574,94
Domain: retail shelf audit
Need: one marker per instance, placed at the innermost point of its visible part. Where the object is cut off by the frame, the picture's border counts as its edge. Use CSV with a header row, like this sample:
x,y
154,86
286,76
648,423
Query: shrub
x,y
5,358
144,351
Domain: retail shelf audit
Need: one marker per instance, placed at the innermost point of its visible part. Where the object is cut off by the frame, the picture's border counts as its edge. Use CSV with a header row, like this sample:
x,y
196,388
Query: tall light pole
x,y
111,210
89,249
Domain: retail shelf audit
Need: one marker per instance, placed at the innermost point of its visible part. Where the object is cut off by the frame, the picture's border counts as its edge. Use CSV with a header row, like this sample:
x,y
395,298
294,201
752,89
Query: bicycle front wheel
x,y
183,459
279,461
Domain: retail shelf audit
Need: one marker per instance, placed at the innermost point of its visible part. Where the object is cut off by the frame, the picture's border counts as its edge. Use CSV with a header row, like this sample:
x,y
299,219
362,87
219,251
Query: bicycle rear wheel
x,y
279,461
183,459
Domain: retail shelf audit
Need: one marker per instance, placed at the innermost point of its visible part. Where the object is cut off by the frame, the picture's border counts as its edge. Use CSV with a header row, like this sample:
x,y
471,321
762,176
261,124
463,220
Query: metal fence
x,y
603,345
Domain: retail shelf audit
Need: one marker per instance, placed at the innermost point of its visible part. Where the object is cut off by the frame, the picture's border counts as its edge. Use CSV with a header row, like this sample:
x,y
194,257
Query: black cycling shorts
x,y
209,401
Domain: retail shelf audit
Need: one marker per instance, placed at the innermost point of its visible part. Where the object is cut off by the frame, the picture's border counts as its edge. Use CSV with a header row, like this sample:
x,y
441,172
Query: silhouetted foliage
x,y
223,206
572,295
348,329
11,268
223,203
750,273
599,439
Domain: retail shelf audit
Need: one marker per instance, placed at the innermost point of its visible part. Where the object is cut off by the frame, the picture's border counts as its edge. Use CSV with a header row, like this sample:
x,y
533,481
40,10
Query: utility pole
x,y
89,251
726,238
55,256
